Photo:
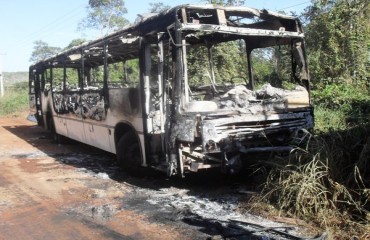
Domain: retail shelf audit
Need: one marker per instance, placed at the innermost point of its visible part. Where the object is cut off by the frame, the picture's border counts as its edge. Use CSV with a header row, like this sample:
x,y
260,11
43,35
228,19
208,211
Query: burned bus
x,y
193,87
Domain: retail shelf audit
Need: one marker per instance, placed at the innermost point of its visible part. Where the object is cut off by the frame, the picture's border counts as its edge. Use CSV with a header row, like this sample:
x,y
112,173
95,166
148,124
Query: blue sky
x,y
55,22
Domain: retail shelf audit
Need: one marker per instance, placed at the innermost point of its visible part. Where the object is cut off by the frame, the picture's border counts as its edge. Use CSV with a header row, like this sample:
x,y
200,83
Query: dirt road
x,y
50,191
73,191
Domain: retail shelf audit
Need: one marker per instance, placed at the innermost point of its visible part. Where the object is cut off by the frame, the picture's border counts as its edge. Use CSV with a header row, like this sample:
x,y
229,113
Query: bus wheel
x,y
51,128
57,138
129,153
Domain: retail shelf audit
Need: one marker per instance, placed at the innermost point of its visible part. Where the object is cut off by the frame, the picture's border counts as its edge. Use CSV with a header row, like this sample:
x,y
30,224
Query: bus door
x,y
34,97
154,99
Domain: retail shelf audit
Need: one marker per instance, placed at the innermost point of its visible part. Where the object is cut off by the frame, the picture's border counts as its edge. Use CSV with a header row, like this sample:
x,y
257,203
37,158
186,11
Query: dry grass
x,y
326,183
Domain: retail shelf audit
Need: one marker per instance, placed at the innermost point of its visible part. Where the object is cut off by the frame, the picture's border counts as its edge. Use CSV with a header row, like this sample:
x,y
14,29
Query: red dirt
x,y
43,198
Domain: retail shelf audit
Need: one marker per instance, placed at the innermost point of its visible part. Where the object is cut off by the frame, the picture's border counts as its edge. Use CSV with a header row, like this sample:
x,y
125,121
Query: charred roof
x,y
125,41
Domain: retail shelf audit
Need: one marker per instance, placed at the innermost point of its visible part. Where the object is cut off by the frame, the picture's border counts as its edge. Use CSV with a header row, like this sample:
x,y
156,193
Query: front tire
x,y
129,153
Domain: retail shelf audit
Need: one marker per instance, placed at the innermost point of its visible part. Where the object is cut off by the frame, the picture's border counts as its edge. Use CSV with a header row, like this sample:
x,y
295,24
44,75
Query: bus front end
x,y
243,88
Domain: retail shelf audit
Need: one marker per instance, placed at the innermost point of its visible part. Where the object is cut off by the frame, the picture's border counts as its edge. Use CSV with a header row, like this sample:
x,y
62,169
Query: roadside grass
x,y
14,102
326,182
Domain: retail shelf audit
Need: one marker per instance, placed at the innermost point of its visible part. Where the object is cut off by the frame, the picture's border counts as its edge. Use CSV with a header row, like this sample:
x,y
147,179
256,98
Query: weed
x,y
325,183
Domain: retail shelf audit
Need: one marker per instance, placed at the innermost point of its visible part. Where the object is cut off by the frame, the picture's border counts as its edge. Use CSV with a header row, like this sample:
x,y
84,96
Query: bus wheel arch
x,y
121,129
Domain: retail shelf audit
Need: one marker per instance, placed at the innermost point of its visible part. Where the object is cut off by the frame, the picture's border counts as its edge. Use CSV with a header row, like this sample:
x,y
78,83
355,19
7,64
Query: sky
x,y
55,22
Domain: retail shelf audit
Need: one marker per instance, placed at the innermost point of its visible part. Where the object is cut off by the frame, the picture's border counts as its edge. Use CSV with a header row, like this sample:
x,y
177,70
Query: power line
x,y
299,4
51,25
41,32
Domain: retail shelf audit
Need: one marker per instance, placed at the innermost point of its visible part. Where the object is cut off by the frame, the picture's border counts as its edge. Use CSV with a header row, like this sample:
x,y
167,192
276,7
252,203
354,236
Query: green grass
x,y
14,102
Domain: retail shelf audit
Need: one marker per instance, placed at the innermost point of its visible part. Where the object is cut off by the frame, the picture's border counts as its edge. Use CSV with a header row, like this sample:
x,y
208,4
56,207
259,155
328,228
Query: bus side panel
x,y
97,135
125,106
75,129
60,125
124,103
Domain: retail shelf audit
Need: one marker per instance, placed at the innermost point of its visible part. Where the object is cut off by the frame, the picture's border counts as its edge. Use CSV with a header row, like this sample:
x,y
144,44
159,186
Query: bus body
x,y
182,90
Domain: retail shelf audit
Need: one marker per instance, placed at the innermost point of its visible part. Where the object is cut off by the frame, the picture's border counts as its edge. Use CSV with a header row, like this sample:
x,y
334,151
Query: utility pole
x,y
1,77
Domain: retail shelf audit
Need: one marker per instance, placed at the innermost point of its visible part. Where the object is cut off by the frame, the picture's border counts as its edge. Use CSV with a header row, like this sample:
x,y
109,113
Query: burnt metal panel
x,y
184,129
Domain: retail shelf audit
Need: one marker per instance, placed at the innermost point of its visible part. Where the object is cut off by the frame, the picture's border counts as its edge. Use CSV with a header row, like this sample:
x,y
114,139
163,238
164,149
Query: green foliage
x,y
329,120
97,74
42,51
58,76
104,15
262,66
15,100
229,60
126,73
341,106
338,96
272,65
116,72
338,40
132,72
72,76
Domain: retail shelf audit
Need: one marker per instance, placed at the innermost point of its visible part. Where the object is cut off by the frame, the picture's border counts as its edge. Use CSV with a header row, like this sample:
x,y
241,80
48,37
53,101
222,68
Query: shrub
x,y
341,106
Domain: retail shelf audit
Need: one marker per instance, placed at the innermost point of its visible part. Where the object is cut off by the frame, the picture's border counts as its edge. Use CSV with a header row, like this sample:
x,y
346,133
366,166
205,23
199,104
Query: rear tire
x,y
57,138
129,154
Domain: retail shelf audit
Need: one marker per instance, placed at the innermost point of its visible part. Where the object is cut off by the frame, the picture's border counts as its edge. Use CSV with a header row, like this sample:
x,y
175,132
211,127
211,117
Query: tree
x,y
75,42
229,60
158,7
42,51
337,34
104,15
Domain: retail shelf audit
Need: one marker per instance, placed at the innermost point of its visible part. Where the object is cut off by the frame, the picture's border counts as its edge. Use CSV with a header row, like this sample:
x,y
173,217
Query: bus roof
x,y
159,22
